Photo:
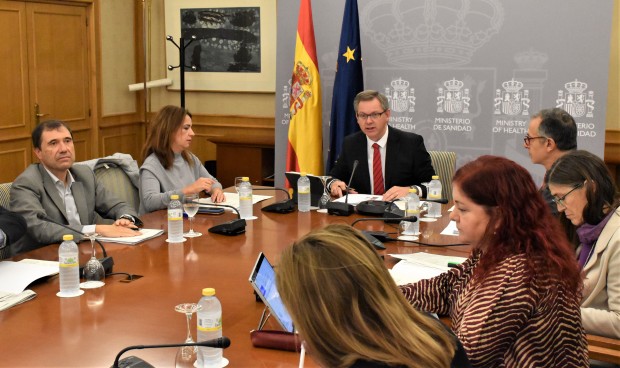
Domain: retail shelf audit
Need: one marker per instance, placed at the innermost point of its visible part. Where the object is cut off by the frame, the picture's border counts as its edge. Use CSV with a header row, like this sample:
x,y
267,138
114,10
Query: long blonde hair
x,y
347,307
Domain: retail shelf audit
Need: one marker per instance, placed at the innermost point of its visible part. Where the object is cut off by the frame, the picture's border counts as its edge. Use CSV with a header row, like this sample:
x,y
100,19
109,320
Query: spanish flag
x,y
305,134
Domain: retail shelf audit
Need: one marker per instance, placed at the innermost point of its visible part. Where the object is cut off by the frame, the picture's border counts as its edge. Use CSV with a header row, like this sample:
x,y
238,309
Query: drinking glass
x,y
186,355
191,206
93,273
238,181
326,197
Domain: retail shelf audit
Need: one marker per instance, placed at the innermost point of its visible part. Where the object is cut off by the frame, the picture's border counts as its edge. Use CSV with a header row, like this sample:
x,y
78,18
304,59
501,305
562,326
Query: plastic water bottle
x,y
412,209
209,327
69,267
303,193
245,198
434,192
175,220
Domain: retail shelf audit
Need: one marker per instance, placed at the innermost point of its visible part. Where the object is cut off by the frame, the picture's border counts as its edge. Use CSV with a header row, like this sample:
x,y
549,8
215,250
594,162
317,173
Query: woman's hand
x,y
202,184
217,195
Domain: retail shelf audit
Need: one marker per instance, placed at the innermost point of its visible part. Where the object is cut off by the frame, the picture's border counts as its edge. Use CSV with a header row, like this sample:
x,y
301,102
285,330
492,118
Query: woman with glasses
x,y
169,167
349,311
515,301
586,194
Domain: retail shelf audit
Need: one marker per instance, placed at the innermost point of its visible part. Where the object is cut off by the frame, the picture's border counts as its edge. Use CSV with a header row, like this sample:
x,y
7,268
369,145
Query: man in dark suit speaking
x,y
65,193
390,160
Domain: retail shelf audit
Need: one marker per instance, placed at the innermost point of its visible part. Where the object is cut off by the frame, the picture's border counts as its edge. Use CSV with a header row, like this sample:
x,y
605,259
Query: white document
x,y
405,272
146,234
16,276
354,199
232,199
451,229
421,266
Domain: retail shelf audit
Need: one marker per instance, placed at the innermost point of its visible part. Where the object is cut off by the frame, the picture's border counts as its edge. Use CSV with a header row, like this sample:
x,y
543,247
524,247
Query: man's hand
x,y
217,195
338,189
395,192
120,229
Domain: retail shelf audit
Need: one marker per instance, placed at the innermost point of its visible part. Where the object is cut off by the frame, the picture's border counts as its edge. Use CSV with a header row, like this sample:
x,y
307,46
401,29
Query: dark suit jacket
x,y
33,193
406,163
12,225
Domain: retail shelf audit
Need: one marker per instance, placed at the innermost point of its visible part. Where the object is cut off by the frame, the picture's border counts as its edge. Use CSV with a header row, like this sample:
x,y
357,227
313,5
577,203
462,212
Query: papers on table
x,y
16,276
131,240
232,199
451,229
420,266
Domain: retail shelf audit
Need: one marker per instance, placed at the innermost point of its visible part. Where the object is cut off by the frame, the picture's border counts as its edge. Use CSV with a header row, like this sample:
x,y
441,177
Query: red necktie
x,y
377,174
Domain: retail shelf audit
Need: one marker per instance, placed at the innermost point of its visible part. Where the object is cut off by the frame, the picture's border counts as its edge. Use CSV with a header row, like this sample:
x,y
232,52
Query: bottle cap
x,y
435,177
67,237
245,178
303,173
174,196
413,190
208,291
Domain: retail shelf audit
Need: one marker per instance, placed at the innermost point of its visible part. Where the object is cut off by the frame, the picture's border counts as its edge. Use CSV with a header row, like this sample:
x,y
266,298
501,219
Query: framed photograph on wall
x,y
235,44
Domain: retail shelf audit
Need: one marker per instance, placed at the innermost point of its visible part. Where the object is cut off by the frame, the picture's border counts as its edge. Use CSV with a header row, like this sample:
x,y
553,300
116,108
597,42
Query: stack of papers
x,y
131,240
232,199
16,276
421,266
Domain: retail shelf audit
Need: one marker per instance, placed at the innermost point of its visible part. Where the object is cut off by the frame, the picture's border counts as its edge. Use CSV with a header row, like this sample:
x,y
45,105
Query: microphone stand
x,y
286,206
220,343
376,238
230,228
339,208
107,262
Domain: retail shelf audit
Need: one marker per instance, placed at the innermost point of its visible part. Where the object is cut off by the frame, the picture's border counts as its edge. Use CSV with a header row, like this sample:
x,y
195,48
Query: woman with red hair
x,y
515,301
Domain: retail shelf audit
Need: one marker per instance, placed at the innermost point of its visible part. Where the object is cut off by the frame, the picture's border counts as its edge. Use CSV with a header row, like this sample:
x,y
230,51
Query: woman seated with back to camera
x,y
349,311
169,168
515,301
586,194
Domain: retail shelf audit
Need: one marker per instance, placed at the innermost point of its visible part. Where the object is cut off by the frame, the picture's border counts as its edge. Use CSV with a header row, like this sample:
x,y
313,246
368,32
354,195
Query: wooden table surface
x,y
90,330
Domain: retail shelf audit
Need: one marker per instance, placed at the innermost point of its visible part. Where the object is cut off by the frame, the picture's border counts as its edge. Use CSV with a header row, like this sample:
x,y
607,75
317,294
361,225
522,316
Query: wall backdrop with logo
x,y
466,75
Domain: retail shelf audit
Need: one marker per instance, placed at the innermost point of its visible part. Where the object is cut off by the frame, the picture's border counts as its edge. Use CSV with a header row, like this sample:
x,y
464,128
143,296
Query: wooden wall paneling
x,y
125,139
14,105
612,153
15,156
81,144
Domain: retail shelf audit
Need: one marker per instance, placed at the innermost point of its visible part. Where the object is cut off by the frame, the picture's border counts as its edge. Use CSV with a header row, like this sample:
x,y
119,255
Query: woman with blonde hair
x,y
349,311
169,167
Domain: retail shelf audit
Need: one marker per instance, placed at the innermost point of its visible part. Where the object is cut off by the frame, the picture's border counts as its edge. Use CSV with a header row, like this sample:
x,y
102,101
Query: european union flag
x,y
348,83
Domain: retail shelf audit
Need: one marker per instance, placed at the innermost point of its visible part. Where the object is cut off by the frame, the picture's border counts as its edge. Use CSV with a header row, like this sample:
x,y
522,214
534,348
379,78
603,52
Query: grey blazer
x,y
33,193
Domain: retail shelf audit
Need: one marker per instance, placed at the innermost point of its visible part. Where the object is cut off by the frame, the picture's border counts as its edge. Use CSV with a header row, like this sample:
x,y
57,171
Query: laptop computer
x,y
316,187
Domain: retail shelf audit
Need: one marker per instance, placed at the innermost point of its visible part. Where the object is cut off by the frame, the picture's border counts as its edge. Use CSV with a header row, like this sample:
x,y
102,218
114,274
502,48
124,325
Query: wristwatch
x,y
136,221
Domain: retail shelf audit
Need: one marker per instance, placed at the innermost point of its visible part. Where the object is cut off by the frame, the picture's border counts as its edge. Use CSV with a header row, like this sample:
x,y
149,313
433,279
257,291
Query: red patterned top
x,y
508,319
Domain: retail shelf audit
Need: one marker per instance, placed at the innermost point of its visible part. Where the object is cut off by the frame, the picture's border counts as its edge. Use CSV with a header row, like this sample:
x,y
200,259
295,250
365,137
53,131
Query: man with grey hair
x,y
390,160
551,134
56,190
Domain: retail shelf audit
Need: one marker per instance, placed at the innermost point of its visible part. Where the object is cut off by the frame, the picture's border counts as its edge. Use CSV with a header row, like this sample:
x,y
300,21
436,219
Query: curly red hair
x,y
520,220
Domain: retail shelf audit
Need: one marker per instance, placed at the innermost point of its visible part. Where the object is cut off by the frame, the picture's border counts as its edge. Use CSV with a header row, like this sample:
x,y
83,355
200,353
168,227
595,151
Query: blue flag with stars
x,y
348,83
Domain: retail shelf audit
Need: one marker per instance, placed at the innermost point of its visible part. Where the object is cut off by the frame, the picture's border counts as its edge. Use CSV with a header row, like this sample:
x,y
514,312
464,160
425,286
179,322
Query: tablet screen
x,y
263,280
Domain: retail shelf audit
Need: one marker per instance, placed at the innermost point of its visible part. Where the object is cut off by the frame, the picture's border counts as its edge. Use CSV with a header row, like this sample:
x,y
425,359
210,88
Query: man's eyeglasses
x,y
373,116
527,139
560,201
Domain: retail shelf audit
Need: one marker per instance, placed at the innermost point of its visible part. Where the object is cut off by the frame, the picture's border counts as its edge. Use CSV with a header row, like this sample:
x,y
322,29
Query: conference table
x,y
88,331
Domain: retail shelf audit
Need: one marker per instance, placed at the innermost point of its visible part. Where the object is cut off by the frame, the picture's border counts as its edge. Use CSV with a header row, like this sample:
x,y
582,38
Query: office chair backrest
x,y
5,194
117,181
444,163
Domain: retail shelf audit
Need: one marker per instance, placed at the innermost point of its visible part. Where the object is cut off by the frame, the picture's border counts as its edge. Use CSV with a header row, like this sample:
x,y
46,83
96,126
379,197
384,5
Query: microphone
x,y
107,262
376,238
220,343
339,208
229,228
286,206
